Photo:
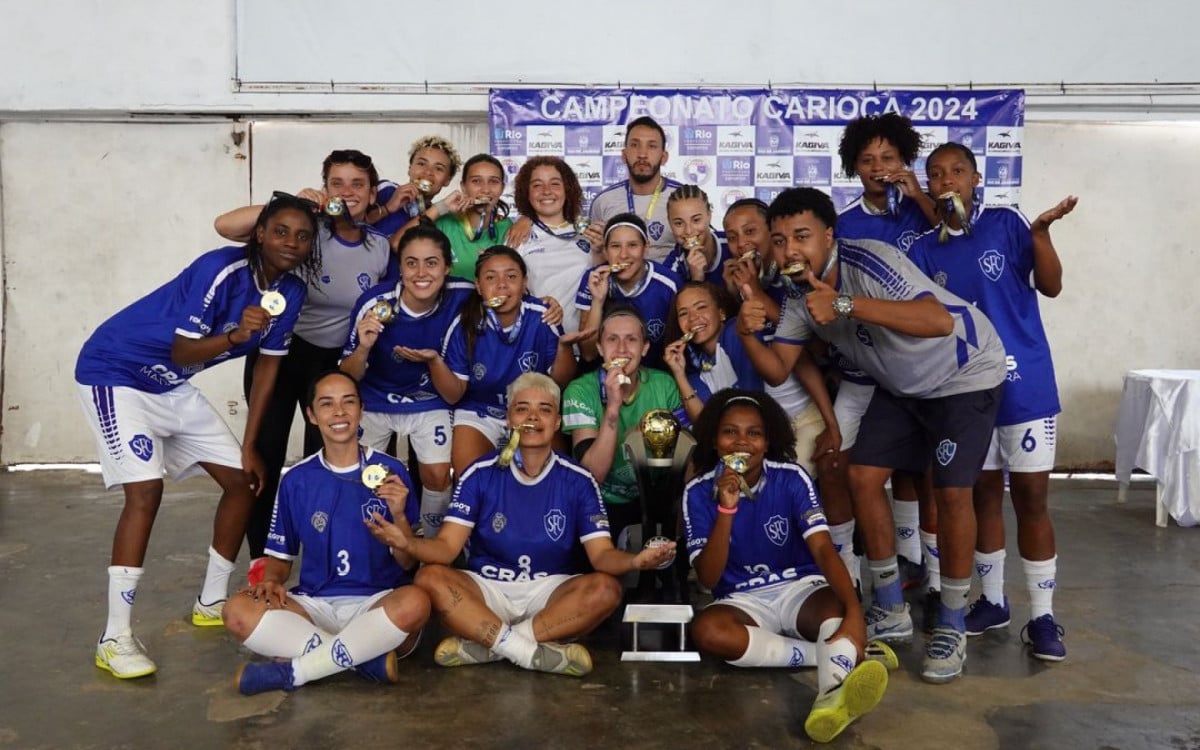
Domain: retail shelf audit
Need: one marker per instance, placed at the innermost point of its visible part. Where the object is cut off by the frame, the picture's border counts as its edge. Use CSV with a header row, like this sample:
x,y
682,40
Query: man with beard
x,y
646,191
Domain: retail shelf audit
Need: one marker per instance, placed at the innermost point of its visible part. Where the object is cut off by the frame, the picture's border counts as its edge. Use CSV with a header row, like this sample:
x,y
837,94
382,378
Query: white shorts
x,y
515,601
775,608
428,432
849,408
807,425
140,436
495,430
1024,448
333,613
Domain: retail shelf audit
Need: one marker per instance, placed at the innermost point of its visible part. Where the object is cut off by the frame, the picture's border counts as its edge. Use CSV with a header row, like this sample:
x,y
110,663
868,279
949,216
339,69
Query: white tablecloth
x,y
1158,430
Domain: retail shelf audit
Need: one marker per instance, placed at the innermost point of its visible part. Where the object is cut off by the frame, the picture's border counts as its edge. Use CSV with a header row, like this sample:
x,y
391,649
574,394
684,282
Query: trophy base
x,y
676,615
661,463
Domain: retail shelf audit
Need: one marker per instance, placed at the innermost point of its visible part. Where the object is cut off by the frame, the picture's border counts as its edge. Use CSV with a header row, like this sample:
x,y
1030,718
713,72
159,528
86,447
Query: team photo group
x,y
863,386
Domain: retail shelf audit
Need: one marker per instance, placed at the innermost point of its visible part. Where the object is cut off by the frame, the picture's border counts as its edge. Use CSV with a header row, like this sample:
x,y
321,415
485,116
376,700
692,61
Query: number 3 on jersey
x,y
343,566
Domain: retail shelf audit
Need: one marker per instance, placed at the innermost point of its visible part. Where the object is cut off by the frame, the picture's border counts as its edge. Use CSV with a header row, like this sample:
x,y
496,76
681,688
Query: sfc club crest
x,y
945,452
556,524
528,362
374,505
777,530
142,447
992,264
656,230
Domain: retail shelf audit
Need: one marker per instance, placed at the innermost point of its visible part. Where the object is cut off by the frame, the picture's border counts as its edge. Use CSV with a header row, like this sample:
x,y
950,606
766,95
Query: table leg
x,y
1160,506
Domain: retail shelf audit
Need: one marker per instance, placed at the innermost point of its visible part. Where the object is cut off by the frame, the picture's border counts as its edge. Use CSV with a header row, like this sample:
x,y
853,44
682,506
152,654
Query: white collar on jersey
x,y
545,472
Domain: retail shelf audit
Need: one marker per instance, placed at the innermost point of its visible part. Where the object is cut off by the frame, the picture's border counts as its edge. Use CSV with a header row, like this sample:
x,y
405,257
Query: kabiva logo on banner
x,y
1003,141
735,139
614,140
931,138
773,171
544,140
588,170
815,139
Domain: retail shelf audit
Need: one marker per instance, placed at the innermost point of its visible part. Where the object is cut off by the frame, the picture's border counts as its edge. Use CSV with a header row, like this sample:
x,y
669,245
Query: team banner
x,y
738,143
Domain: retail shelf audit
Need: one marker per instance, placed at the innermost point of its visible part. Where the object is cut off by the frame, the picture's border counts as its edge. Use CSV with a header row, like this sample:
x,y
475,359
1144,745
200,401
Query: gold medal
x,y
739,463
384,311
335,207
424,186
687,337
494,302
794,269
618,267
373,476
274,303
692,243
509,451
616,364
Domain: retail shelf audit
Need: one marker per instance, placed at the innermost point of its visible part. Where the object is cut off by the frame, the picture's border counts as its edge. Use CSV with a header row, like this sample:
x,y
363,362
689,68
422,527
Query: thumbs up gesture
x,y
752,317
820,299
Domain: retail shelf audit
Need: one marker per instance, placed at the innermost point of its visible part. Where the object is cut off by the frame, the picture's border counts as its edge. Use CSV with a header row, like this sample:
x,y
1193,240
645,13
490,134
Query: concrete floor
x,y
1128,599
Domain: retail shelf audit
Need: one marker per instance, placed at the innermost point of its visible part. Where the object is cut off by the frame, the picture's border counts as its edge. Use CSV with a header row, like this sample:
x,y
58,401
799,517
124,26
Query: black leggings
x,y
303,362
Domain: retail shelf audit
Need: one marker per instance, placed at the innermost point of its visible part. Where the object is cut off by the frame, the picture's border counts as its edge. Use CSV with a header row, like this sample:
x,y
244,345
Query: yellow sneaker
x,y
459,652
125,657
571,659
860,692
208,615
882,653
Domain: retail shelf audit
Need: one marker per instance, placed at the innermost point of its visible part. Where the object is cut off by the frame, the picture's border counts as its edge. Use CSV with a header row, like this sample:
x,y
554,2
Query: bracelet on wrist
x,y
229,337
726,511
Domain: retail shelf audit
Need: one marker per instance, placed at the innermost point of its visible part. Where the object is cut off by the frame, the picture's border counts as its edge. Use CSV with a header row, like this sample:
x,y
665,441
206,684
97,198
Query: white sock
x,y
767,649
365,637
834,660
908,540
990,567
433,509
524,629
843,542
285,635
517,648
933,564
122,588
216,579
1039,578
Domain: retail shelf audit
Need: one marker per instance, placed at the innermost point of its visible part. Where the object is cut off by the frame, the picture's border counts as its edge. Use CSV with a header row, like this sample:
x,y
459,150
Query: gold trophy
x,y
660,431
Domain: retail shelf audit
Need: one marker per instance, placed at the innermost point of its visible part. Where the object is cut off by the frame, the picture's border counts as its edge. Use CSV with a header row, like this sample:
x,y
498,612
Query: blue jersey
x,y
677,262
728,367
321,511
530,345
392,384
767,543
861,221
992,268
524,528
652,298
133,347
391,223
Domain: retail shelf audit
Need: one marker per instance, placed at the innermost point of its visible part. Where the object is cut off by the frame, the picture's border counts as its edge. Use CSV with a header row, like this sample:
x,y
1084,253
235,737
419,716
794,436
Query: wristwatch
x,y
843,305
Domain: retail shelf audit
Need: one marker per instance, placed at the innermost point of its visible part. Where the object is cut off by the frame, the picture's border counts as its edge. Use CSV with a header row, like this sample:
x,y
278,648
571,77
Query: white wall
x,y
173,56
94,214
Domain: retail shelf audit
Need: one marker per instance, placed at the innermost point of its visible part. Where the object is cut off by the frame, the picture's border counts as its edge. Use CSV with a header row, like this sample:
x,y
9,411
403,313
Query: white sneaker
x,y
562,658
208,615
124,656
459,652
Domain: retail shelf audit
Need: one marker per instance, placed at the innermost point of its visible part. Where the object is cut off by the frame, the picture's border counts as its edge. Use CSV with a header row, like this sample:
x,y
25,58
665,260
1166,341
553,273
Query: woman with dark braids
x,y
133,378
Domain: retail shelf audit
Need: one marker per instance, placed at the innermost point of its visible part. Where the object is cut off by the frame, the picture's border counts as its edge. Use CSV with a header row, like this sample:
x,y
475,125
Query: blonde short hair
x,y
538,381
441,144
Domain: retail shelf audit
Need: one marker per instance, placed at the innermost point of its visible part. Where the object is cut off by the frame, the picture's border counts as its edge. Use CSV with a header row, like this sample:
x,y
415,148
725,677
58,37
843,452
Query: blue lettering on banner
x,y
760,125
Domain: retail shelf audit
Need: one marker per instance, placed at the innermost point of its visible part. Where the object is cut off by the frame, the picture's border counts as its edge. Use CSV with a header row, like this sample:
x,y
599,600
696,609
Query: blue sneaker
x,y
260,676
912,574
1045,637
986,615
383,669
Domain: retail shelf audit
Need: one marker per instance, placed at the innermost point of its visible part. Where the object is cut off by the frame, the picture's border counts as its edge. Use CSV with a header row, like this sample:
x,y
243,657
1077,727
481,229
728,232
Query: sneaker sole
x,y
899,637
578,661
450,653
862,690
123,675
942,679
972,633
391,671
205,621
1048,657
882,653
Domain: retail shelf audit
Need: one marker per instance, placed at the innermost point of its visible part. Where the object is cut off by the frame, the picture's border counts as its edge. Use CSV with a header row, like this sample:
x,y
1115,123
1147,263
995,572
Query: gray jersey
x,y
969,359
616,200
346,272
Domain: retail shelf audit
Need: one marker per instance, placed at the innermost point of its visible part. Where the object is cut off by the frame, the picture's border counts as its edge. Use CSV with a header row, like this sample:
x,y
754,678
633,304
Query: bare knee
x,y
721,638
601,593
241,615
408,608
435,477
